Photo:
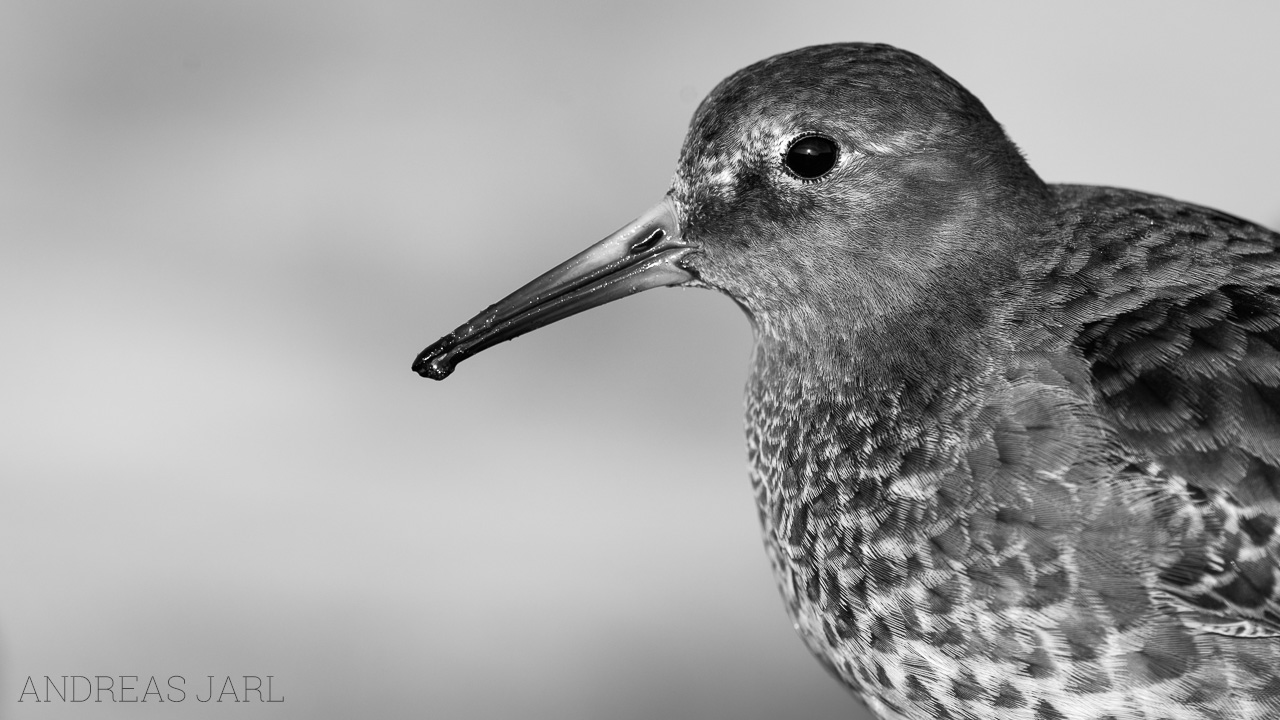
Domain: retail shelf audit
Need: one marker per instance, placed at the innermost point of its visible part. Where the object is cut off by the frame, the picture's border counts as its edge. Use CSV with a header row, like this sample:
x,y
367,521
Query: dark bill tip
x,y
436,362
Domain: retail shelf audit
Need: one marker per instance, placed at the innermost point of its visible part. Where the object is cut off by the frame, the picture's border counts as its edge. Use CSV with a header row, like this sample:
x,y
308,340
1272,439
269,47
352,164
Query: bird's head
x,y
825,190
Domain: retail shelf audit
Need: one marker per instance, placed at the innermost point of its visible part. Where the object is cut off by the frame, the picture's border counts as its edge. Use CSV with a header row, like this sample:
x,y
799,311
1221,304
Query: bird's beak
x,y
645,254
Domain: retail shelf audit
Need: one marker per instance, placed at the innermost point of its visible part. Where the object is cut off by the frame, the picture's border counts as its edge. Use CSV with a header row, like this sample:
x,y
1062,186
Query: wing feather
x,y
1178,316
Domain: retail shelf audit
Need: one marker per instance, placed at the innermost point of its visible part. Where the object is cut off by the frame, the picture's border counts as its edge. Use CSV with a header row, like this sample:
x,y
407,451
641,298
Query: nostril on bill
x,y
654,238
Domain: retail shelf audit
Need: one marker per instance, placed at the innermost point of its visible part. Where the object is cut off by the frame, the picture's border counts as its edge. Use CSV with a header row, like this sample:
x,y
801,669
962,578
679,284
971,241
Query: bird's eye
x,y
811,157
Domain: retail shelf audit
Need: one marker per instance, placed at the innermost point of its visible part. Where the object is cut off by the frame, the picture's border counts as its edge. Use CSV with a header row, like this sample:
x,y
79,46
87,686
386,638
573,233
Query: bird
x,y
1014,446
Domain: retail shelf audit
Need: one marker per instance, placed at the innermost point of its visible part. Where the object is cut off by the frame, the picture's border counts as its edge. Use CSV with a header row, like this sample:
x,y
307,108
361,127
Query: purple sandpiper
x,y
1015,446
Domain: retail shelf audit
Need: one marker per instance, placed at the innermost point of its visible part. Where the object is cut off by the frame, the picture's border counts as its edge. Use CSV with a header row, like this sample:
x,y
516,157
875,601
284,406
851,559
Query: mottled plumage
x,y
1015,446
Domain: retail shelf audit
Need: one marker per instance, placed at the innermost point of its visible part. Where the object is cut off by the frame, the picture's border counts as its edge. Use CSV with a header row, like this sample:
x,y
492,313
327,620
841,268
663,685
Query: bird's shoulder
x,y
1174,310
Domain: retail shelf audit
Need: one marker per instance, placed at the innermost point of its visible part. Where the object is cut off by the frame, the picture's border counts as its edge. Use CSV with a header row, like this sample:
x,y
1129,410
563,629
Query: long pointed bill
x,y
645,254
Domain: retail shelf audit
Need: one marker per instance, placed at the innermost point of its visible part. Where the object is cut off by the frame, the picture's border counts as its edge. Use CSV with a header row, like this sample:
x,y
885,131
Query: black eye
x,y
811,157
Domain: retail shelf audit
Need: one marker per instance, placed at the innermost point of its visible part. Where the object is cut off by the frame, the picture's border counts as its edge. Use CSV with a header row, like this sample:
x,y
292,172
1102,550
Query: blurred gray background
x,y
227,227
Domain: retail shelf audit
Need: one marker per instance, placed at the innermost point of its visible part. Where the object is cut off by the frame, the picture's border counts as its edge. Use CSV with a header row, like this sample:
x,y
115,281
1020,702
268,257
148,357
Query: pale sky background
x,y
227,227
